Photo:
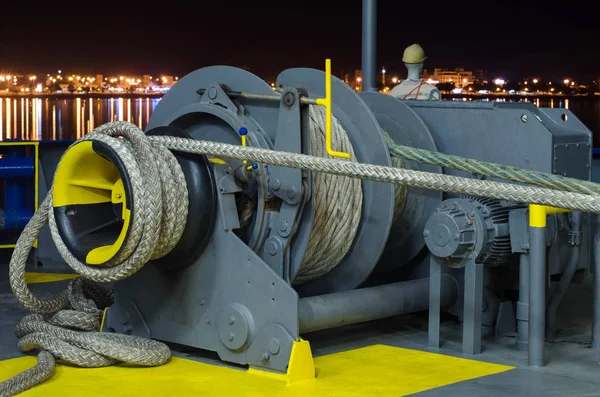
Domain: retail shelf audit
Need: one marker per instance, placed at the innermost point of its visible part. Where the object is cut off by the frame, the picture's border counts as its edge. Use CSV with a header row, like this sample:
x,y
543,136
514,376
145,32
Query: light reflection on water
x,y
68,119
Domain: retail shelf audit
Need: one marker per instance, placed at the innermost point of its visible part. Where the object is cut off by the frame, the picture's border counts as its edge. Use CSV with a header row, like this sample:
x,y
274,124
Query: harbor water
x,y
31,118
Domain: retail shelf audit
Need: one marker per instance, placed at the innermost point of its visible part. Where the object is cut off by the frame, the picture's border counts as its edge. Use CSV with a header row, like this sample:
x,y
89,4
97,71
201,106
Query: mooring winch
x,y
257,238
242,250
256,255
219,242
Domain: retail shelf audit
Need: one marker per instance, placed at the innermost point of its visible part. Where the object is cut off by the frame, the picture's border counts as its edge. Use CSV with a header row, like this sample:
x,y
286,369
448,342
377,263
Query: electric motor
x,y
470,228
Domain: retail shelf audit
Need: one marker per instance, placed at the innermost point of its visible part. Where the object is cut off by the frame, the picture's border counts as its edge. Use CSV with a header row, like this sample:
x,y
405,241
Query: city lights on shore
x,y
57,83
456,81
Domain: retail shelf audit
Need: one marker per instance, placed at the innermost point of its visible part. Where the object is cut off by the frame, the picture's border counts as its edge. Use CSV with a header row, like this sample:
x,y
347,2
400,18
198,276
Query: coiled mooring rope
x,y
47,327
67,325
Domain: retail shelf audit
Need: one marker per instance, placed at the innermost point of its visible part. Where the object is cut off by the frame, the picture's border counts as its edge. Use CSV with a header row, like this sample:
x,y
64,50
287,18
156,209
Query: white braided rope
x,y
337,204
420,179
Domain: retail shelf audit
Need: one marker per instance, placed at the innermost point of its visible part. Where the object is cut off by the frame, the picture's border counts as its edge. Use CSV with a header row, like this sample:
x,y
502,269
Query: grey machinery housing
x,y
229,286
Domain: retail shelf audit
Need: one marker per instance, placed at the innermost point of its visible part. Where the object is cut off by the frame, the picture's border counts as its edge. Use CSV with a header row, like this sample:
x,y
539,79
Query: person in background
x,y
414,87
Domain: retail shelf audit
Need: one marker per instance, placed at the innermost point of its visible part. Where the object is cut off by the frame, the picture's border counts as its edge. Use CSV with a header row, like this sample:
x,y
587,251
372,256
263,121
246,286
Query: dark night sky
x,y
508,38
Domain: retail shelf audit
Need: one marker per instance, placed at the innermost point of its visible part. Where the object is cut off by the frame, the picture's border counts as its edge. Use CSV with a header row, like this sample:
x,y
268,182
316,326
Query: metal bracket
x,y
286,183
216,94
283,227
271,348
518,223
227,187
505,321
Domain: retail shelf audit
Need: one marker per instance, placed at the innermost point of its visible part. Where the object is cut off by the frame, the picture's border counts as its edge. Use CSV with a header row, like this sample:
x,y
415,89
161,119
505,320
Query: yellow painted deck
x,y
375,370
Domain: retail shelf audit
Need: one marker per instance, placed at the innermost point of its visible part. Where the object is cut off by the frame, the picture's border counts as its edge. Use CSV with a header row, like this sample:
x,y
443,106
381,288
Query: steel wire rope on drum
x,y
400,191
493,170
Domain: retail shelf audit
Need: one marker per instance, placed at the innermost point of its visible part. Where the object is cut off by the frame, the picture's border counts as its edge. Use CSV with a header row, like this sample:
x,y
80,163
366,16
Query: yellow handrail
x,y
327,103
538,214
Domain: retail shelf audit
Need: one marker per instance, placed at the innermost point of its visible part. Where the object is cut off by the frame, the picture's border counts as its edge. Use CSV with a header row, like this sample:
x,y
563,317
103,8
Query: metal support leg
x,y
473,308
537,295
596,318
435,292
523,304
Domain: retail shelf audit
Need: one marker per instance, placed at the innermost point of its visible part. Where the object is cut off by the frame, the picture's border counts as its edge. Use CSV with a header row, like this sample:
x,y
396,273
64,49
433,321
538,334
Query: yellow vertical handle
x,y
327,103
243,132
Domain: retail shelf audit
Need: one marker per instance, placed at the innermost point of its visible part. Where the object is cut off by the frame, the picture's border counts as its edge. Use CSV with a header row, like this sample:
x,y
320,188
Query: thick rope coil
x,y
337,204
65,325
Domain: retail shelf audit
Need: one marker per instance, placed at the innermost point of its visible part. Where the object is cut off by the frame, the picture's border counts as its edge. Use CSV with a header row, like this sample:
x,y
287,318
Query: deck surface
x,y
384,358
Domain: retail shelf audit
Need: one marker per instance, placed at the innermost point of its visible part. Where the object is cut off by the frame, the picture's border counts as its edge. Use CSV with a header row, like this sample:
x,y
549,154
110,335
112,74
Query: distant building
x,y
481,75
459,77
99,82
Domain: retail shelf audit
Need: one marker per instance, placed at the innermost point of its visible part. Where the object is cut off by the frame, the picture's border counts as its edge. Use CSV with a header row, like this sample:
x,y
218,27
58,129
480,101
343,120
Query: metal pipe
x,y
523,304
537,295
369,45
260,97
596,317
567,276
367,304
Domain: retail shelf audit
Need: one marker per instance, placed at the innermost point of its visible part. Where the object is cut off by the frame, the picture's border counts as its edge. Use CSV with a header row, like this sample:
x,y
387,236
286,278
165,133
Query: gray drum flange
x,y
378,198
406,128
181,107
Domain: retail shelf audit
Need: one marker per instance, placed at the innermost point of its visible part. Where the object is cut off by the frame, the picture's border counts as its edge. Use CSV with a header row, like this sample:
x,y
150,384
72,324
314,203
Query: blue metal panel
x,y
15,219
17,167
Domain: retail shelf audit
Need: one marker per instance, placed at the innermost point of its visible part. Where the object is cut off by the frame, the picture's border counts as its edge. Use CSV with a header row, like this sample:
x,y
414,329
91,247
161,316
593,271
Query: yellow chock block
x,y
300,368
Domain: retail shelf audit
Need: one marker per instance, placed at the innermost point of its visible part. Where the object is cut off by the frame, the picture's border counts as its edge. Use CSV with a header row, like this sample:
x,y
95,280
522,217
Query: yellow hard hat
x,y
414,54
